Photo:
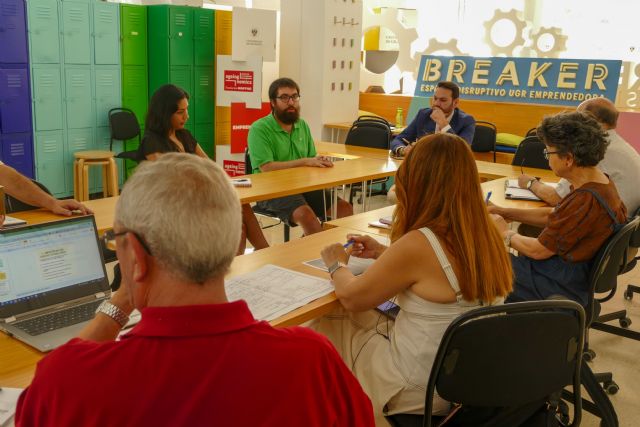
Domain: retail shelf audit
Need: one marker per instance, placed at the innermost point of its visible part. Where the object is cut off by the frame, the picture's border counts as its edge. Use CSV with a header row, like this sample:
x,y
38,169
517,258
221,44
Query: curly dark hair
x,y
575,133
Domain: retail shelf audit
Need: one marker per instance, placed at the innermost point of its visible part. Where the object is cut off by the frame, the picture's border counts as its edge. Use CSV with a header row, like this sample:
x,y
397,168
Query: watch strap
x,y
114,312
335,267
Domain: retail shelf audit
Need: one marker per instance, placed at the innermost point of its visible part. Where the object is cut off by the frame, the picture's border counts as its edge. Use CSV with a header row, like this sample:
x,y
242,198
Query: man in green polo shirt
x,y
282,140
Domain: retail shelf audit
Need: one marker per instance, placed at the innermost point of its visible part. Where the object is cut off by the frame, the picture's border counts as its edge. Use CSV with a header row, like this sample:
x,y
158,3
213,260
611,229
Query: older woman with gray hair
x,y
557,261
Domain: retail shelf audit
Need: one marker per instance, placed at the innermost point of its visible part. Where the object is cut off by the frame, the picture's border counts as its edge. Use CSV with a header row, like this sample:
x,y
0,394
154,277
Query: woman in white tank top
x,y
446,257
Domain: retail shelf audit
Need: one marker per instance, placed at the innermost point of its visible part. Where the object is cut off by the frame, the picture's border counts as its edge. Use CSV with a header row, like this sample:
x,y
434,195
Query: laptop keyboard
x,y
59,319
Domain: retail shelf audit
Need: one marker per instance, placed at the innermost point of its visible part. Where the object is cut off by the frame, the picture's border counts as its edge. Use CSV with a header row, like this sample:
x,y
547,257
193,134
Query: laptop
x,y
52,279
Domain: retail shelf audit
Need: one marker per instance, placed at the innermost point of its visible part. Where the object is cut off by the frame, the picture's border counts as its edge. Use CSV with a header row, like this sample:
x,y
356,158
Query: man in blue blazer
x,y
443,116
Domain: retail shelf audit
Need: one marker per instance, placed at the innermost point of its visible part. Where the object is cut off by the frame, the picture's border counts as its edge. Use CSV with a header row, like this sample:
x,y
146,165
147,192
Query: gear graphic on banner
x,y
552,49
435,46
389,18
518,40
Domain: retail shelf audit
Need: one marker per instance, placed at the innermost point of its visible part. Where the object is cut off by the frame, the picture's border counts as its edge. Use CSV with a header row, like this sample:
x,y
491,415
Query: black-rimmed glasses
x,y
547,153
286,98
109,239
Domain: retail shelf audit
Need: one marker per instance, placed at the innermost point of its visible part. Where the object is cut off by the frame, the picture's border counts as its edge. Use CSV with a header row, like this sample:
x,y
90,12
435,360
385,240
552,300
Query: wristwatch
x,y
114,312
335,267
400,151
530,183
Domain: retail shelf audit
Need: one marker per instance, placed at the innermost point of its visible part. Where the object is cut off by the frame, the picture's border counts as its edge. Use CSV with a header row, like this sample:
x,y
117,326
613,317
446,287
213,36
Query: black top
x,y
155,143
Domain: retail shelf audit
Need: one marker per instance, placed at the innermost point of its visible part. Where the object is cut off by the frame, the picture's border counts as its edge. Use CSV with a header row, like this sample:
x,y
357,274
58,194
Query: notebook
x,y
514,192
52,279
241,182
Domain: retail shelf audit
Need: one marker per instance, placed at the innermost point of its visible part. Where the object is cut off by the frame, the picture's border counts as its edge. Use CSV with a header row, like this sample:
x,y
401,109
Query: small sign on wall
x,y
253,34
233,167
239,81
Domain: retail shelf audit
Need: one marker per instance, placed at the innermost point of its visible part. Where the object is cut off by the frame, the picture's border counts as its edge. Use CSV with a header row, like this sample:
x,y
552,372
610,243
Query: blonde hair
x,y
438,187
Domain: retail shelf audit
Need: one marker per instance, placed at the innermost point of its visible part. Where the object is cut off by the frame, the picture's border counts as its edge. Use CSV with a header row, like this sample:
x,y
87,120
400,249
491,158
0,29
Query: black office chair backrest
x,y
484,138
634,242
530,153
509,356
532,132
365,118
371,132
11,204
123,125
607,264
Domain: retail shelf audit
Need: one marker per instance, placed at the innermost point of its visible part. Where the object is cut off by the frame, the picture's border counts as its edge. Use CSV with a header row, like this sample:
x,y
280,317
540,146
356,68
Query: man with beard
x,y
443,116
282,140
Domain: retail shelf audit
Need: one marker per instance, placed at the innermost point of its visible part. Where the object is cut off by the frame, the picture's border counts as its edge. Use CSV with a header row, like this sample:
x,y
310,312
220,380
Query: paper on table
x,y
513,191
513,183
10,221
379,224
356,265
8,402
273,291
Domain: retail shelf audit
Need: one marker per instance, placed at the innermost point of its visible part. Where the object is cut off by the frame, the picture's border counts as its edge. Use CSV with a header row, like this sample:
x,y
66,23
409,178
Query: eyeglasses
x,y
109,239
286,98
547,153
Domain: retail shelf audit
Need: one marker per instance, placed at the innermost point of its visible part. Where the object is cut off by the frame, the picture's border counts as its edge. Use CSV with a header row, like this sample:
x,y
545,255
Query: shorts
x,y
283,207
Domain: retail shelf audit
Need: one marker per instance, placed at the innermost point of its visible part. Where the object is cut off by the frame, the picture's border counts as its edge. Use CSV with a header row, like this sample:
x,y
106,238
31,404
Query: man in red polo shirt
x,y
194,358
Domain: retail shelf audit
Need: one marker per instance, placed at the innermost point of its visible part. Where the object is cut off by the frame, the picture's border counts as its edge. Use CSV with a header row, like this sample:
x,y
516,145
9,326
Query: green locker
x,y
106,32
44,31
79,99
202,97
77,140
134,35
203,38
180,35
181,76
47,97
134,90
76,32
50,160
107,84
204,136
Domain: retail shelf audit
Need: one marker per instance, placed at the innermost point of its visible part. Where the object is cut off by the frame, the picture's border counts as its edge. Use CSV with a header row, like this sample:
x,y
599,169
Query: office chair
x,y
11,204
370,132
248,170
123,125
506,363
532,132
530,153
484,138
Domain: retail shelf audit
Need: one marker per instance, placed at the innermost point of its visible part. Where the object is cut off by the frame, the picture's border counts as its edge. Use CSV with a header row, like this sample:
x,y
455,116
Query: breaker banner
x,y
523,80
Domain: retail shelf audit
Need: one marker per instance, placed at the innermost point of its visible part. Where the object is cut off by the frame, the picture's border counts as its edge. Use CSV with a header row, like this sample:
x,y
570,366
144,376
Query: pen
x,y
486,201
349,243
406,141
521,166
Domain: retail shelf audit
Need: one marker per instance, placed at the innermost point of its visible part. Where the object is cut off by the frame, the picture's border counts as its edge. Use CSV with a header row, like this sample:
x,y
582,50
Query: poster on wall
x,y
238,81
241,120
523,80
253,33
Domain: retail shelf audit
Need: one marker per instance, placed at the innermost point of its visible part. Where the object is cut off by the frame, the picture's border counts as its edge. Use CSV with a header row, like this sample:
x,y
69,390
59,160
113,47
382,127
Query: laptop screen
x,y
49,263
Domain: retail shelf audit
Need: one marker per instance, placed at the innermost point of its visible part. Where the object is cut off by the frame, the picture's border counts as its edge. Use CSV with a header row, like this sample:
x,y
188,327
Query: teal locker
x,y
180,36
202,97
134,90
107,84
47,97
76,32
77,140
49,153
79,100
134,35
203,37
181,77
44,31
106,30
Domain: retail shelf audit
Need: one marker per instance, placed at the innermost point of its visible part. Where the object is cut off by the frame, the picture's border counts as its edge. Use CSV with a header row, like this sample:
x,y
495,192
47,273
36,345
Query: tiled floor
x,y
615,354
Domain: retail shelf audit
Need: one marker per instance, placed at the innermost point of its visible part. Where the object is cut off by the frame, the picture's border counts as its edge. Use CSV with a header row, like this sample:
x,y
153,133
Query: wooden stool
x,y
85,159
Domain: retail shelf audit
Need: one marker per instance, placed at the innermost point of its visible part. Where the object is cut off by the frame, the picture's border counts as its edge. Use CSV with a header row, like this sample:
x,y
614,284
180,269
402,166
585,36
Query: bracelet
x,y
114,312
508,237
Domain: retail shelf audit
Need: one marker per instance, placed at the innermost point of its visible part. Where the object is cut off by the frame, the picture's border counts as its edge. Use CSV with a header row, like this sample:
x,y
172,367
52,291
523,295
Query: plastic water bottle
x,y
399,118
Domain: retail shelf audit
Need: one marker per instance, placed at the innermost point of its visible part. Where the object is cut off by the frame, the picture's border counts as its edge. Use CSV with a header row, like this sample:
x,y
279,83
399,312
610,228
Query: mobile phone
x,y
389,309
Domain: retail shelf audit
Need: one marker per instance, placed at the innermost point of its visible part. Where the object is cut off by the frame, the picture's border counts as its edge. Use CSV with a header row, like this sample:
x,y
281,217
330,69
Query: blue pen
x,y
486,201
349,243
